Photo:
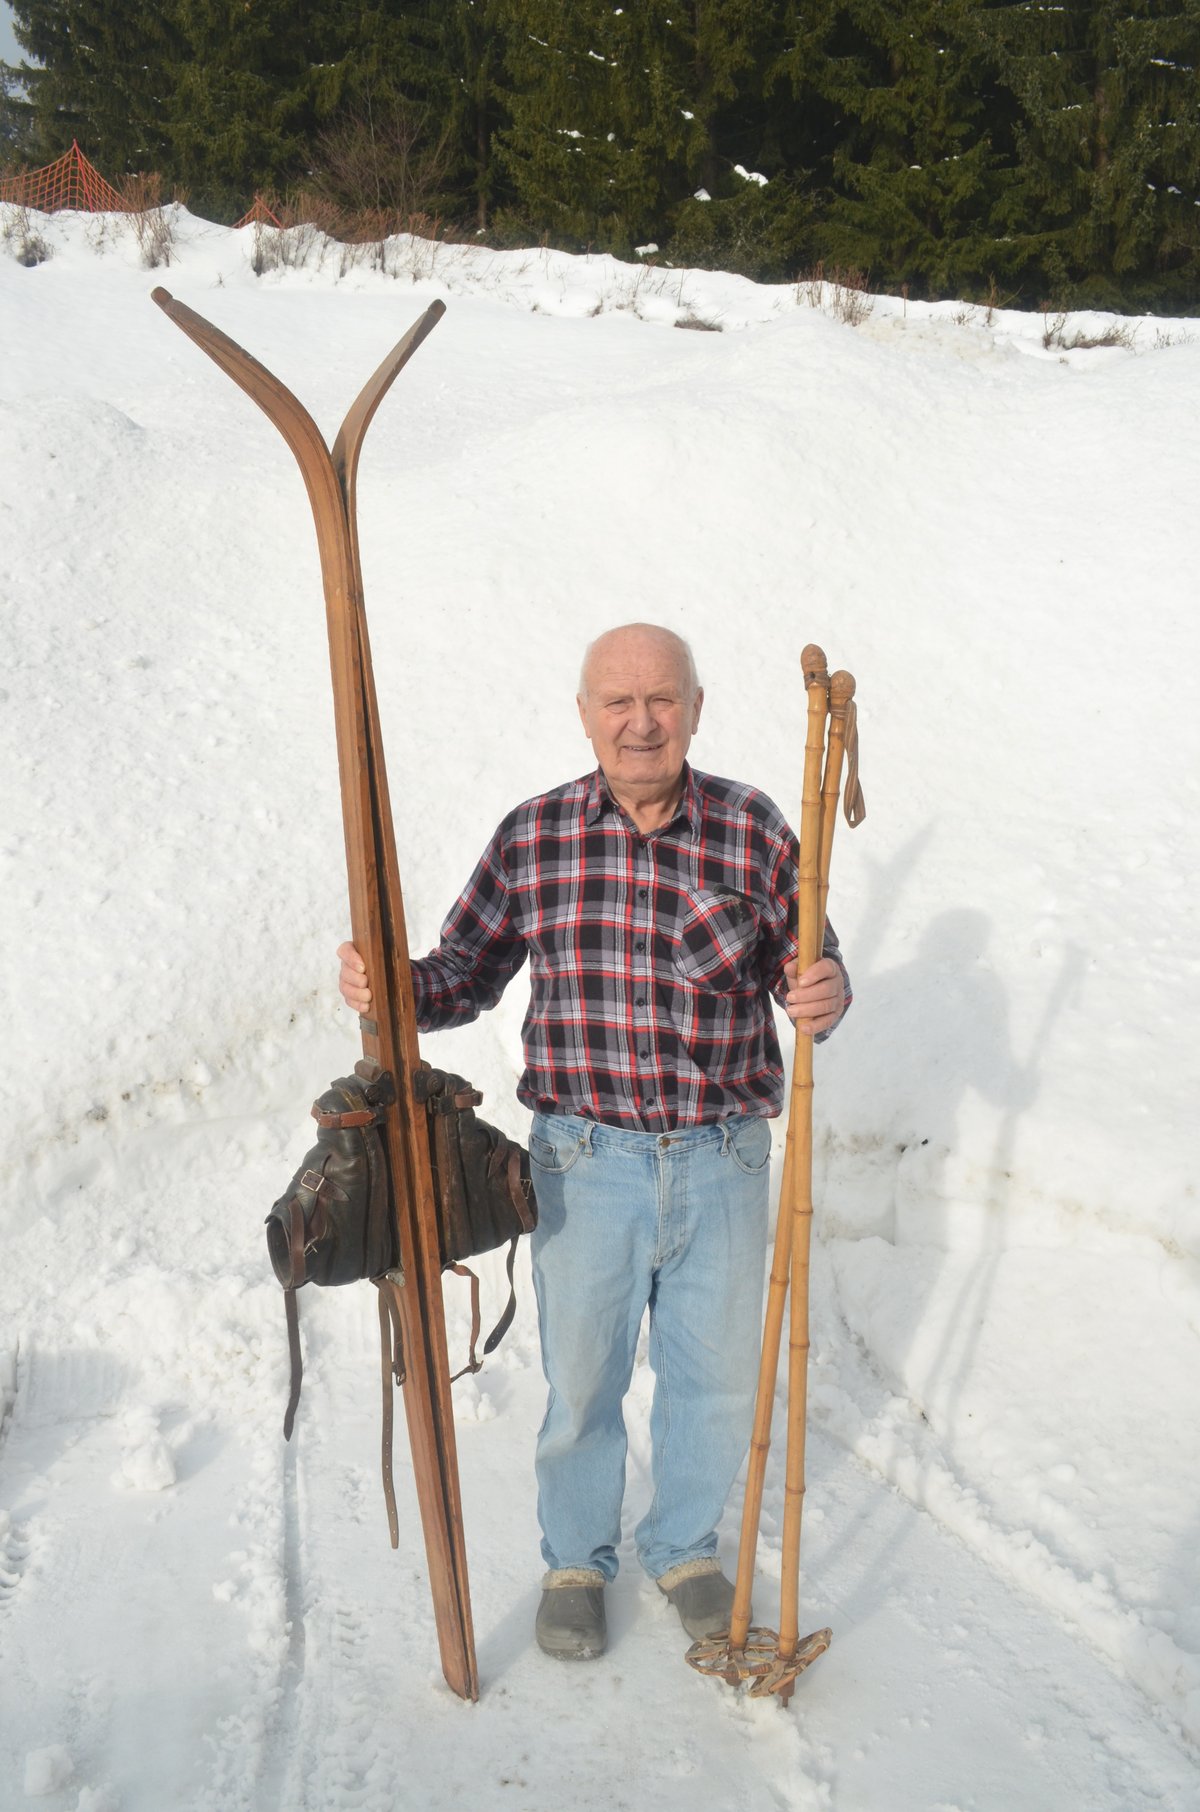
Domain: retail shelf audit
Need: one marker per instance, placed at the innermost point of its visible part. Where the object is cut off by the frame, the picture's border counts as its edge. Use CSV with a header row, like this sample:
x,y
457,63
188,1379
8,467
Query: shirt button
x,y
643,1055
640,1001
641,893
640,946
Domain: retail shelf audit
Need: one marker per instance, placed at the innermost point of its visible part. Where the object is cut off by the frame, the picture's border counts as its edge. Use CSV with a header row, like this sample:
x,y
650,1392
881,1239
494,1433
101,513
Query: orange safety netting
x,y
70,182
259,213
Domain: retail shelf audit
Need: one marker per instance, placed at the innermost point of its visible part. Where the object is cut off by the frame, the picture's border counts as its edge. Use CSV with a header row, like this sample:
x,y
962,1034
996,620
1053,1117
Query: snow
x,y
998,536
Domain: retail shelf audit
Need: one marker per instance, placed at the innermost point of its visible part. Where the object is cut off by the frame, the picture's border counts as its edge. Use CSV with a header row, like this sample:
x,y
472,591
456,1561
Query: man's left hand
x,y
816,998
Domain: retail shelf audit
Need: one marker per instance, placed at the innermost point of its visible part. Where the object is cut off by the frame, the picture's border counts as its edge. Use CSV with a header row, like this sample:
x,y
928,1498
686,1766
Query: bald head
x,y
640,704
638,642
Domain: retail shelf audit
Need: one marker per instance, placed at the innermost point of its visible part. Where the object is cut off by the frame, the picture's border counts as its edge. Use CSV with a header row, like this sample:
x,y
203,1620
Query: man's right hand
x,y
352,980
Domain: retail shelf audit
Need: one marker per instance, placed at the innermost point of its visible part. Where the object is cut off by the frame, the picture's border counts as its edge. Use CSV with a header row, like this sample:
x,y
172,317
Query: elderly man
x,y
655,906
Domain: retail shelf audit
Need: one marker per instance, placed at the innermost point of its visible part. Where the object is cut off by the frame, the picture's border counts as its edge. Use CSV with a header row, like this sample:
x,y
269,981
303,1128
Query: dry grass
x,y
837,290
1055,335
314,228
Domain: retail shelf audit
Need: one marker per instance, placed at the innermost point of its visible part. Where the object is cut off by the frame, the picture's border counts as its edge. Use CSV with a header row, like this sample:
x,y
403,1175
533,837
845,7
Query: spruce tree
x,y
559,151
417,91
462,83
620,114
904,158
1103,165
241,106
14,110
99,75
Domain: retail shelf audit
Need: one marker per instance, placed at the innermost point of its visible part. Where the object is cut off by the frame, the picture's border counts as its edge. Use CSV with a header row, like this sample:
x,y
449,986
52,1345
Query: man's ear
x,y
696,709
582,709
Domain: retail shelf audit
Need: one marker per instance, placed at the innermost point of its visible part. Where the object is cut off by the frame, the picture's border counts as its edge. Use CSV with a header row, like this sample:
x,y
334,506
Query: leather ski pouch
x,y
334,1224
482,1185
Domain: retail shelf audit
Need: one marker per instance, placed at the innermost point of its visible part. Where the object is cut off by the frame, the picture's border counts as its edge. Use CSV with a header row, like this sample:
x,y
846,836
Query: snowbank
x,y
997,535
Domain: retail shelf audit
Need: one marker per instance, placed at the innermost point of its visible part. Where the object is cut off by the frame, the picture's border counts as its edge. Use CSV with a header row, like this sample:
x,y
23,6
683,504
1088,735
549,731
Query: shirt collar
x,y
598,799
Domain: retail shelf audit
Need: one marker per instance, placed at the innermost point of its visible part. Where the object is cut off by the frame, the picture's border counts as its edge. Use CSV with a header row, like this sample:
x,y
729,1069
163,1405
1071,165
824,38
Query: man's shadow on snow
x,y
931,1034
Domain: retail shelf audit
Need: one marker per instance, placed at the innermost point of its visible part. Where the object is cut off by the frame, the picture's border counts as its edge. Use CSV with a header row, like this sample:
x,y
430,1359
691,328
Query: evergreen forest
x,y
1026,153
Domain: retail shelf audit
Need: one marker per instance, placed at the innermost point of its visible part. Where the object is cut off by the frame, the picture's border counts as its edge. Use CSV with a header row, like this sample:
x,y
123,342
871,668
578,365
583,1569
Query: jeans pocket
x,y
556,1154
748,1142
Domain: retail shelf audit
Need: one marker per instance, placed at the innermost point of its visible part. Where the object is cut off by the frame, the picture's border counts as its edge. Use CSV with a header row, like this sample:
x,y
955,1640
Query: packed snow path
x,y
194,1615
998,536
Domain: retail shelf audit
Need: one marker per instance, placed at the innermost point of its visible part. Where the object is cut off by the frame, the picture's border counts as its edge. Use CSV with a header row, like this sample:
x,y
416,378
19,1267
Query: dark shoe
x,y
570,1621
701,1594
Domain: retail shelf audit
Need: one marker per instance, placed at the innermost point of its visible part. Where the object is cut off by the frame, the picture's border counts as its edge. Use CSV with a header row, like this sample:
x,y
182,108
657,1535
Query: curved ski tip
x,y
162,296
436,310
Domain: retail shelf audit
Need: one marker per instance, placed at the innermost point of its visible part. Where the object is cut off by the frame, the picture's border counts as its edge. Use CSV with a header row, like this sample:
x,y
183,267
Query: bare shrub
x,y
840,291
101,230
306,222
383,161
267,253
994,300
153,227
307,207
21,236
1052,327
698,323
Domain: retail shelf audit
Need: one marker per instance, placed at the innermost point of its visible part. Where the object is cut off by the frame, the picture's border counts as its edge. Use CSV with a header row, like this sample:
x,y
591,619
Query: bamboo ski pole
x,y
841,692
816,679
773,1660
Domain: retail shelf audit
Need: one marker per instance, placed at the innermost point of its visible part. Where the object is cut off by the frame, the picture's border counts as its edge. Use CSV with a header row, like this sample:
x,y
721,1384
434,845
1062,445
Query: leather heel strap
x,y
510,1308
392,1372
473,1364
297,1363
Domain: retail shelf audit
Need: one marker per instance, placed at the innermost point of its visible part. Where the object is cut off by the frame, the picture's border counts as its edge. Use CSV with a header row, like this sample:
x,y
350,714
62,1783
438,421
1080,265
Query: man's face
x,y
639,711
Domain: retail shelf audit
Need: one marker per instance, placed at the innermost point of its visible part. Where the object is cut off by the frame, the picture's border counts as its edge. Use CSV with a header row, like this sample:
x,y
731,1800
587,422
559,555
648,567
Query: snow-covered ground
x,y
1000,538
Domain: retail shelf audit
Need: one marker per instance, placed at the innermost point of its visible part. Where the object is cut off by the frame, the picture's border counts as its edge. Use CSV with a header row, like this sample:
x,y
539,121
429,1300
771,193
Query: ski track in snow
x,y
1000,1517
322,1688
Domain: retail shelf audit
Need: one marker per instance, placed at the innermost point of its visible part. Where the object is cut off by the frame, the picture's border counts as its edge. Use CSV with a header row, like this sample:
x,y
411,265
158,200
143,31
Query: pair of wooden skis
x,y
771,1659
377,920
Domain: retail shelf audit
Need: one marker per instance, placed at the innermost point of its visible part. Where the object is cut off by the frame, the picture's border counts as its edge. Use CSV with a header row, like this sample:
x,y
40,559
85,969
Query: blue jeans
x,y
626,1220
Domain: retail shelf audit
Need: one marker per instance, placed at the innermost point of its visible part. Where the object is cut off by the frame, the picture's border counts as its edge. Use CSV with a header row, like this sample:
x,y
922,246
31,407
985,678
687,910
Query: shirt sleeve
x,y
479,952
780,942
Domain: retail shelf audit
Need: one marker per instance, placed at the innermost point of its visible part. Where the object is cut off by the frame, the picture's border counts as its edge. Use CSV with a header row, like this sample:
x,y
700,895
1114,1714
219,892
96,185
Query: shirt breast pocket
x,y
717,937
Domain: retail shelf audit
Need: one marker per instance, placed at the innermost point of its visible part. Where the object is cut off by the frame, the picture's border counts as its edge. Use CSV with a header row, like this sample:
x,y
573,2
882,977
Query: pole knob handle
x,y
813,665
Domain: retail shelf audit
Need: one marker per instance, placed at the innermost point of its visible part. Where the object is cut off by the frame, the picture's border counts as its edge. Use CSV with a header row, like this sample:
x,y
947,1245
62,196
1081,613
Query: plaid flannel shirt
x,y
653,958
